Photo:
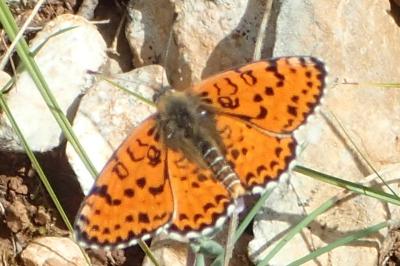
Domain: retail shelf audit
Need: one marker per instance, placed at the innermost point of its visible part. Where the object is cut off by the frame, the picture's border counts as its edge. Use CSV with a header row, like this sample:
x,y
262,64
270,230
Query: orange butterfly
x,y
181,169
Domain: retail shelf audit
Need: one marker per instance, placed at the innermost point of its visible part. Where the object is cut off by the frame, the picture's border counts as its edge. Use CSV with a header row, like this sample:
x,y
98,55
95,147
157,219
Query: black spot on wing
x,y
120,169
141,182
128,192
143,218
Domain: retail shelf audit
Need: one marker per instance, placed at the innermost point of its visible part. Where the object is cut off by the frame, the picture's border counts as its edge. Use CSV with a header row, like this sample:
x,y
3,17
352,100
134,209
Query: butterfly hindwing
x,y
201,201
255,156
132,197
275,94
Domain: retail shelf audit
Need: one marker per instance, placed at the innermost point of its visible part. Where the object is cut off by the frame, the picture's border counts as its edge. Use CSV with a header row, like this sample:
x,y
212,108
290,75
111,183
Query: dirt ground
x,y
26,210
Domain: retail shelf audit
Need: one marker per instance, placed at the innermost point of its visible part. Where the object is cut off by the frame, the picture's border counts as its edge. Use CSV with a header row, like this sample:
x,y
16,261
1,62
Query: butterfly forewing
x,y
132,197
274,94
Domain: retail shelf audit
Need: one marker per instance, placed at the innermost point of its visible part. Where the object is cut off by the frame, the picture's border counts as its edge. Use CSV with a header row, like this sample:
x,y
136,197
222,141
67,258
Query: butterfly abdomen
x,y
221,169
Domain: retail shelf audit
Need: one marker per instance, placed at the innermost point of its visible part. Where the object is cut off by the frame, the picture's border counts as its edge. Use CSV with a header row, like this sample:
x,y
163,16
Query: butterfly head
x,y
159,92
184,121
181,116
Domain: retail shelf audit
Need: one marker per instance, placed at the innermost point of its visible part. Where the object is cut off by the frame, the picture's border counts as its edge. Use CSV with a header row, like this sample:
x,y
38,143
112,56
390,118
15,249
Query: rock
x,y
17,217
208,36
149,47
41,216
4,78
52,251
107,114
17,185
353,49
390,250
64,61
168,253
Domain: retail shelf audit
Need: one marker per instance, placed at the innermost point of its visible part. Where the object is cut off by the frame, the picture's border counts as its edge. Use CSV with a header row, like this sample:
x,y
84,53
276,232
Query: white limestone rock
x,y
107,115
64,61
207,36
53,251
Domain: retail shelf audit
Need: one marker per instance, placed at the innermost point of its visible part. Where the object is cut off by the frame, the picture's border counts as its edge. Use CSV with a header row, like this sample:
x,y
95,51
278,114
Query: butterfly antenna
x,y
166,55
165,60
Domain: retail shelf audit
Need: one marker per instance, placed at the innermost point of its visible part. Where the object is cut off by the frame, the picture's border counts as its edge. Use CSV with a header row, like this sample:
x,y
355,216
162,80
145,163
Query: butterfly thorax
x,y
188,125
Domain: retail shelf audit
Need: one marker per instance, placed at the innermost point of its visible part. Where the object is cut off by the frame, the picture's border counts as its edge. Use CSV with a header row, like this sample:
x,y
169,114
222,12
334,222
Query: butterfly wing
x,y
202,203
132,196
258,106
274,94
256,157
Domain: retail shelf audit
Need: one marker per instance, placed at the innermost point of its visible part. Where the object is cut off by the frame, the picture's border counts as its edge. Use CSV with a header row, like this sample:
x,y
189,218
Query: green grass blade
x,y
207,247
200,261
326,205
357,188
358,150
252,213
360,189
8,85
341,242
40,46
219,261
296,229
375,84
246,221
136,95
148,252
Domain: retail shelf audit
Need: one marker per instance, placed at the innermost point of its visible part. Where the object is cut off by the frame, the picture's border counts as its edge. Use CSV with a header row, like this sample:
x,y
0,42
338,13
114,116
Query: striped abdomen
x,y
221,169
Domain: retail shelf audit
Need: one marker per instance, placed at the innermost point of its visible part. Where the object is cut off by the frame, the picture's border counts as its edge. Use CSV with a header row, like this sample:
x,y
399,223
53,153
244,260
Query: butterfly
x,y
181,170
